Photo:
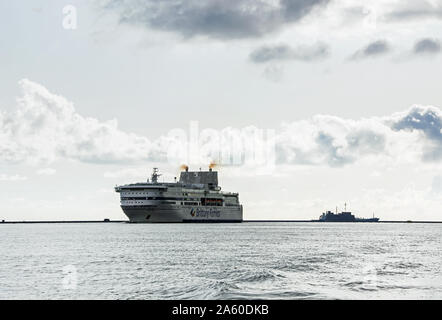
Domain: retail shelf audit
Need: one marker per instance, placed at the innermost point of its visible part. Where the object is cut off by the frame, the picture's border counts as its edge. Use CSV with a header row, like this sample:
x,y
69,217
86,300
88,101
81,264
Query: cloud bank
x,y
45,127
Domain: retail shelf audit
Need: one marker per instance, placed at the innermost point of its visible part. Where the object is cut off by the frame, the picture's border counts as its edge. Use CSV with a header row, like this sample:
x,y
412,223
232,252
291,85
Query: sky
x,y
305,105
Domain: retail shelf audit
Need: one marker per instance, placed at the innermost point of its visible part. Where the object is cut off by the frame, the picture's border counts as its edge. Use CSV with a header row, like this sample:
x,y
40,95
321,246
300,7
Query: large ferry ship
x,y
196,197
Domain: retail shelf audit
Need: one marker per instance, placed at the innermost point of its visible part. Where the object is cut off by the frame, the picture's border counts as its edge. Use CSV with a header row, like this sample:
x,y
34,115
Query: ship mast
x,y
155,175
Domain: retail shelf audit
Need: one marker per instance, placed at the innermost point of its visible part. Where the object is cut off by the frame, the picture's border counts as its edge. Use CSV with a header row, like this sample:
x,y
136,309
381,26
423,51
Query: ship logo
x,y
192,212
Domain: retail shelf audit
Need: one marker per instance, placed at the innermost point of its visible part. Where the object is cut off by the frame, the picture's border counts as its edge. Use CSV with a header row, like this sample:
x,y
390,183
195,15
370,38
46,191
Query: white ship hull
x,y
172,214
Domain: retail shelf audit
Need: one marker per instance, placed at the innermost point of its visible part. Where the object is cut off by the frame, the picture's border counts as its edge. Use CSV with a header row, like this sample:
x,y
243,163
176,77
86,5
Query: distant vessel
x,y
196,197
344,216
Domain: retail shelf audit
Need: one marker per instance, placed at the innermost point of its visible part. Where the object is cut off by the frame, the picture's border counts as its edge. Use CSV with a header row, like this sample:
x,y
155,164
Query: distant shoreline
x,y
386,221
245,221
61,221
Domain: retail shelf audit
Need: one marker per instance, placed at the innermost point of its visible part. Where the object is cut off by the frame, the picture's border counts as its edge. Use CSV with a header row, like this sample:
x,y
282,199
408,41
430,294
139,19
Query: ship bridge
x,y
208,179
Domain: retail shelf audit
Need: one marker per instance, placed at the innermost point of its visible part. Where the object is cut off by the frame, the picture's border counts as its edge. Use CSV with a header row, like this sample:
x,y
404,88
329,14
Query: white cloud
x,y
46,171
15,177
46,127
335,141
125,173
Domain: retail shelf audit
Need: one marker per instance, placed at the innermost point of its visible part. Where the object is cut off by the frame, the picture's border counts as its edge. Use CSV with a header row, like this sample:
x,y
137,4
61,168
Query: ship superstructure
x,y
344,216
196,197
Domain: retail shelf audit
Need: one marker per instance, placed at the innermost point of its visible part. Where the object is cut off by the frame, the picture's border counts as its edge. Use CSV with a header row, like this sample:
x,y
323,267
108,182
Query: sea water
x,y
221,261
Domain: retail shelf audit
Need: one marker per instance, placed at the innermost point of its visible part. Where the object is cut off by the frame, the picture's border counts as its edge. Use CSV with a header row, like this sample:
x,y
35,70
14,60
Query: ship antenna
x,y
345,207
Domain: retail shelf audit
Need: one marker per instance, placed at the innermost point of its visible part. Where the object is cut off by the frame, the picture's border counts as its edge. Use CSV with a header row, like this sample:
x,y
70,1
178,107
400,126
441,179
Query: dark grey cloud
x,y
427,46
415,9
285,52
268,53
223,19
428,121
373,49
